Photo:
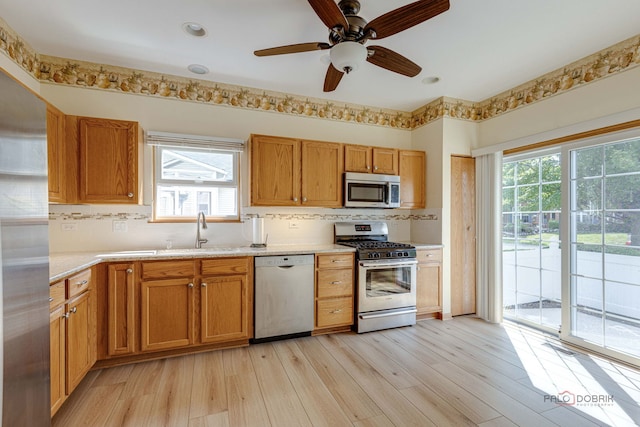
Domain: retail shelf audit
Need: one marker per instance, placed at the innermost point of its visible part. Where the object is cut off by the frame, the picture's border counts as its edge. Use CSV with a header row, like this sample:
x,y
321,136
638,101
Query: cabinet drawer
x,y
333,283
334,260
56,294
167,269
334,312
225,266
429,255
79,283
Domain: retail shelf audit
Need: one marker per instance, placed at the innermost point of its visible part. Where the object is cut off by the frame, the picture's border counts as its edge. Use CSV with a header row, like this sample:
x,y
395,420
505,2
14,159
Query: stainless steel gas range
x,y
386,276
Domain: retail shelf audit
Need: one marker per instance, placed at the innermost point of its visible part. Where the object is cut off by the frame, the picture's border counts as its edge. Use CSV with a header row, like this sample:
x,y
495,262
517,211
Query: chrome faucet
x,y
200,240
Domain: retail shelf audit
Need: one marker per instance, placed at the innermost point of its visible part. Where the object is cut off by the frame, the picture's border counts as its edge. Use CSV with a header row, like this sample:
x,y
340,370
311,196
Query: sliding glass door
x,y
605,246
577,273
531,204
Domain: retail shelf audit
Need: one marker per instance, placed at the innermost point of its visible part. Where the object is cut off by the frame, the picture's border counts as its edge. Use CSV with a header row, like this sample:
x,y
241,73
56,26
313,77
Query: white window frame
x,y
161,141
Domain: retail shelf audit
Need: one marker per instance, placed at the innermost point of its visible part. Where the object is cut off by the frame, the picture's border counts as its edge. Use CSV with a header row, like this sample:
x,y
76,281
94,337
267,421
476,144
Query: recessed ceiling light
x,y
194,29
430,80
198,69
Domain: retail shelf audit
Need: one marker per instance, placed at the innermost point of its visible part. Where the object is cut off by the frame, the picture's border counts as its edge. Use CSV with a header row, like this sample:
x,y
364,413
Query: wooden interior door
x,y
463,236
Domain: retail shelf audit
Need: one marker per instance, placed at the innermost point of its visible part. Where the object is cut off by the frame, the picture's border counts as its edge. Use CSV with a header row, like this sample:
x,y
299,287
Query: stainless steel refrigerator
x,y
24,257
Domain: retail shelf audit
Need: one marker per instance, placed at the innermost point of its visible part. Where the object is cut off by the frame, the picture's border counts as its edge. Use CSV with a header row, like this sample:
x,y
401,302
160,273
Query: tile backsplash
x,y
77,228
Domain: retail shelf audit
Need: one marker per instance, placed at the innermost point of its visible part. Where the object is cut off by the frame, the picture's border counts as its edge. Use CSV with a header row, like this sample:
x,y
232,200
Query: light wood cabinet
x,y
291,172
56,155
108,155
72,324
360,158
225,303
121,309
429,282
322,169
166,304
334,284
57,358
412,170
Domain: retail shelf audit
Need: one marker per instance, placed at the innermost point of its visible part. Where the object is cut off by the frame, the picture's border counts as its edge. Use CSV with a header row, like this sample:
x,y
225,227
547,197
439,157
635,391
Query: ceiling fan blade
x,y
329,12
406,17
392,61
292,48
332,79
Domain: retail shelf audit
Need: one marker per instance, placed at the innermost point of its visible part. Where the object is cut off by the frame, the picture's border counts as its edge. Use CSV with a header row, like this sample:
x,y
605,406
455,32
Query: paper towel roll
x,y
258,230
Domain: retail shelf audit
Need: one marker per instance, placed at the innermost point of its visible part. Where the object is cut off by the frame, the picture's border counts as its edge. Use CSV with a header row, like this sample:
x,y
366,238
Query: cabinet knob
x,y
368,167
375,168
190,285
304,199
73,310
129,270
50,299
204,285
295,199
84,282
130,195
66,315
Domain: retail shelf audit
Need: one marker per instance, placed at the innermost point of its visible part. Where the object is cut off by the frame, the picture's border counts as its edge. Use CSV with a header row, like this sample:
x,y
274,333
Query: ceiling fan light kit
x,y
348,56
349,32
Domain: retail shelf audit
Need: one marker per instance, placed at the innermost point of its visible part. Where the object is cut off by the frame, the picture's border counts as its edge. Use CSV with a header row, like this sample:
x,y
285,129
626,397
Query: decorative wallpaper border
x,y
615,59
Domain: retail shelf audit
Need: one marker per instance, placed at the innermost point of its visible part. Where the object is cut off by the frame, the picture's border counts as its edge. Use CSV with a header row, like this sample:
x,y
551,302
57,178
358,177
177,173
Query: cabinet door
x,y
79,352
385,161
357,158
428,290
56,155
322,169
57,357
166,314
224,308
275,171
413,172
121,309
108,160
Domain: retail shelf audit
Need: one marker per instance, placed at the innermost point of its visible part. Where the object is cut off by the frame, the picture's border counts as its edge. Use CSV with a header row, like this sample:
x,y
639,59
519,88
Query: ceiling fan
x,y
348,33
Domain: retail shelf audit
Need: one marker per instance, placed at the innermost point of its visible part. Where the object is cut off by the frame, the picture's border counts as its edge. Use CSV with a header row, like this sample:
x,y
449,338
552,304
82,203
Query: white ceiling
x,y
478,48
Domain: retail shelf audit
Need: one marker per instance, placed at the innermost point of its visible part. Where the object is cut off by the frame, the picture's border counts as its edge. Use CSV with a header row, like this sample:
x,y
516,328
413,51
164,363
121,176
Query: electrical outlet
x,y
119,226
294,225
69,226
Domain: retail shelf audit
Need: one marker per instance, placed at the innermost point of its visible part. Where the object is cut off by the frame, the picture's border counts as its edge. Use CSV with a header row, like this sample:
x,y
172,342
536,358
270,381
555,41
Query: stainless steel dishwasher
x,y
283,297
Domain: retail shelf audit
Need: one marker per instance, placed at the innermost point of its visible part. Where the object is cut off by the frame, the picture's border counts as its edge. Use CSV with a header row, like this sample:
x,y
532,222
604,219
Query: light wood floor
x,y
454,373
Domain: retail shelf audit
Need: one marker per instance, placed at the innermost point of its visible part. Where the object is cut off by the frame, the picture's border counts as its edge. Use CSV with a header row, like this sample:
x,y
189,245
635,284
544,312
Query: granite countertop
x,y
62,265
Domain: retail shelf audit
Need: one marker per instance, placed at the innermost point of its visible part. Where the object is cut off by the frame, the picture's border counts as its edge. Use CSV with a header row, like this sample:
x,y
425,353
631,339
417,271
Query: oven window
x,y
366,192
388,281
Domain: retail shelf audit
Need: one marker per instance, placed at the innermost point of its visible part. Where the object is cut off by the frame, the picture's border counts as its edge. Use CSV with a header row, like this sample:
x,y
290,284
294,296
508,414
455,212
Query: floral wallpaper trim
x,y
617,58
77,216
614,59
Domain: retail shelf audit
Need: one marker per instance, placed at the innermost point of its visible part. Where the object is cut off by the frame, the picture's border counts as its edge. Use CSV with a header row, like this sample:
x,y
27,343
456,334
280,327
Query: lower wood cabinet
x,y
429,283
334,292
72,325
156,306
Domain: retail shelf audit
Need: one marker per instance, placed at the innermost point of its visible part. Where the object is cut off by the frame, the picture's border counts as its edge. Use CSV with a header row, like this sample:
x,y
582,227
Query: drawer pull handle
x,y
429,255
84,282
336,311
50,299
336,282
339,260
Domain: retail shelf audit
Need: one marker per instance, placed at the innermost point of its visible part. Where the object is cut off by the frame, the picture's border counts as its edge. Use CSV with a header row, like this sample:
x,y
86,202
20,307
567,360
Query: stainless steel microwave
x,y
367,190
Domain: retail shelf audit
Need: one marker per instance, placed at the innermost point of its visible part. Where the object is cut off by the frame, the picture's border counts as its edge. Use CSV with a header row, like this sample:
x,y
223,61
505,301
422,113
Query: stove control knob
x,y
389,254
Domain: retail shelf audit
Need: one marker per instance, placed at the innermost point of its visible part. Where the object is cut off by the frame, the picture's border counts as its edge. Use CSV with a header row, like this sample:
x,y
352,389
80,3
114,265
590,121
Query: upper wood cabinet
x,y
291,172
360,158
412,171
56,155
109,160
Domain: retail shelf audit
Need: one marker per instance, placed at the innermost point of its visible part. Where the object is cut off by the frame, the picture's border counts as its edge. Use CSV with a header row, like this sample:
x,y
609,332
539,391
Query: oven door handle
x,y
390,263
